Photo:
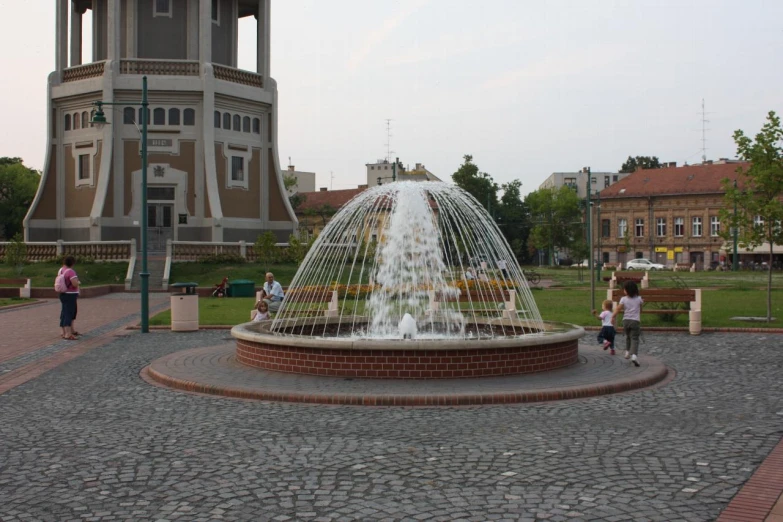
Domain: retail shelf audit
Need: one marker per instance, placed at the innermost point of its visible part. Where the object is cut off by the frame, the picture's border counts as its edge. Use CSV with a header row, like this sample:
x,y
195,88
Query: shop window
x,y
173,116
189,117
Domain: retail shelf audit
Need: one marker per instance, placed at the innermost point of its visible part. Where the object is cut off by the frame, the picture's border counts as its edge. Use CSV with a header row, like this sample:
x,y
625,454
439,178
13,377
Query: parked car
x,y
585,263
643,264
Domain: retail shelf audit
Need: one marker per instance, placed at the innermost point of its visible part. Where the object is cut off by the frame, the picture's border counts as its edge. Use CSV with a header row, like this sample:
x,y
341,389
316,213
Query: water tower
x,y
213,168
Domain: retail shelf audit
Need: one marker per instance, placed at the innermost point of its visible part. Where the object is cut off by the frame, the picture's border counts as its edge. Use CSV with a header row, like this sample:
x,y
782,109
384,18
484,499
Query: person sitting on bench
x,y
274,293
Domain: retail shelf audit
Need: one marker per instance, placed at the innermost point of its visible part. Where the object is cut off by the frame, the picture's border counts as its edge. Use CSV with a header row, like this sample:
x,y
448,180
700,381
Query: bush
x,y
16,253
222,259
79,260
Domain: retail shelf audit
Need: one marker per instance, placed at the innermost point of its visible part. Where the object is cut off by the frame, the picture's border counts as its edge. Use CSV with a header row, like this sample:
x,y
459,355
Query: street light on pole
x,y
589,218
99,120
735,261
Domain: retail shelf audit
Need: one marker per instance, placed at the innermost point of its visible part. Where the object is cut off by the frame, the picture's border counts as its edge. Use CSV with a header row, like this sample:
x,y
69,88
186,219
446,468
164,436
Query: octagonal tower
x,y
213,172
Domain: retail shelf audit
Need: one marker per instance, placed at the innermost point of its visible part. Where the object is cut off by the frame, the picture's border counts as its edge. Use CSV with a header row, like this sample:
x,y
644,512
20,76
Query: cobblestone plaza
x,y
90,440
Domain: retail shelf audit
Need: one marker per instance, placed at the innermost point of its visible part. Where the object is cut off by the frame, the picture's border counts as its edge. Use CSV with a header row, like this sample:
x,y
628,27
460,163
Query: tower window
x,y
128,115
189,117
226,121
85,119
237,168
84,166
76,121
173,116
237,122
216,11
246,124
257,125
217,119
159,116
67,122
161,8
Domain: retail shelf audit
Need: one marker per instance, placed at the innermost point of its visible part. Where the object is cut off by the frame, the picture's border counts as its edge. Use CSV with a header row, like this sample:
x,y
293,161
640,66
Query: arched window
x,y
76,121
67,122
141,113
217,119
173,116
85,119
189,117
246,124
159,116
237,122
128,115
226,121
256,125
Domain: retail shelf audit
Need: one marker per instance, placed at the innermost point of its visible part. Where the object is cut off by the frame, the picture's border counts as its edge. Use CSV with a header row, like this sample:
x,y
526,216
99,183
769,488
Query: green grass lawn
x,y
569,305
209,274
90,274
8,301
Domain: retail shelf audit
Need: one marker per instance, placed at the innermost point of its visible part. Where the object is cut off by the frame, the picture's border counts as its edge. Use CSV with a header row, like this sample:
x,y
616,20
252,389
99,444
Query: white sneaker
x,y
627,354
634,361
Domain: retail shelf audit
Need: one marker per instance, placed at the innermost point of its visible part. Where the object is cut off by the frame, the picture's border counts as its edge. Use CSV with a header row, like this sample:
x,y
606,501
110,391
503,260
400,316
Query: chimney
x,y
672,164
418,166
363,186
324,189
291,168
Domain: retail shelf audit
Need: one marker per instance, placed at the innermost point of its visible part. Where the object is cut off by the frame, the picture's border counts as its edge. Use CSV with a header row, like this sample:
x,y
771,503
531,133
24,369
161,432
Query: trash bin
x,y
241,288
184,308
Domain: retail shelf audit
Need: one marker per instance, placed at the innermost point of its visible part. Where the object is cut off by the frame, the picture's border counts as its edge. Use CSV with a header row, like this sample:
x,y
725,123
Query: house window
x,y
67,122
161,8
159,116
237,168
246,124
614,178
256,126
189,117
660,227
84,166
226,121
679,227
216,11
639,227
173,116
217,119
622,228
696,227
606,181
128,115
592,180
76,121
237,122
758,221
606,227
714,226
85,119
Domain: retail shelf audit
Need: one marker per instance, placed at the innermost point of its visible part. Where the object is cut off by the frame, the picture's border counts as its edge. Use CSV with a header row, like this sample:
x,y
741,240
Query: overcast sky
x,y
528,88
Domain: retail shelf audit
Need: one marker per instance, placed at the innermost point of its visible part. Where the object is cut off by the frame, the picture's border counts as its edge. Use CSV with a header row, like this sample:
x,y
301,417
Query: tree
x,y
555,217
16,253
480,185
757,196
513,218
640,162
266,249
18,185
323,211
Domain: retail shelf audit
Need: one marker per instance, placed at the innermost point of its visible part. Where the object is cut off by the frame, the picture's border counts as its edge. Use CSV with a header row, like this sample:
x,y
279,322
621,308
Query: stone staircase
x,y
155,266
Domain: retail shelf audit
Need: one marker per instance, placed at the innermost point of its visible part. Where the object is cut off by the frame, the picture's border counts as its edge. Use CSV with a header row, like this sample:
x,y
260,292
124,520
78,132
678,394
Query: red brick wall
x,y
408,364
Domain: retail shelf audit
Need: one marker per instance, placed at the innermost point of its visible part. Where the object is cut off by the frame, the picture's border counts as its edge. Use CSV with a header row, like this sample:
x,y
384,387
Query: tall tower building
x,y
213,168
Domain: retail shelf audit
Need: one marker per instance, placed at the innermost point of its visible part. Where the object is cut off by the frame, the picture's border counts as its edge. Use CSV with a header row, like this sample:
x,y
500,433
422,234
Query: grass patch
x,y
8,301
90,274
209,274
215,311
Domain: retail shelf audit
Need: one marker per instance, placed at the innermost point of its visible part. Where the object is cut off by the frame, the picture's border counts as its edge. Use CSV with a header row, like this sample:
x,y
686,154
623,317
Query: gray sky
x,y
528,88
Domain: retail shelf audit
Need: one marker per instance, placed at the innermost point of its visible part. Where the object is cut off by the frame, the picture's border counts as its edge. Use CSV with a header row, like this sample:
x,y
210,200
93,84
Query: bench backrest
x,y
13,281
628,276
660,295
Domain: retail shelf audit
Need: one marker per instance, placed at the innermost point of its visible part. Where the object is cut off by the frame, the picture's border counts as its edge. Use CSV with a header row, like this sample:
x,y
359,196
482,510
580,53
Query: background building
x,y
305,181
578,180
214,172
382,171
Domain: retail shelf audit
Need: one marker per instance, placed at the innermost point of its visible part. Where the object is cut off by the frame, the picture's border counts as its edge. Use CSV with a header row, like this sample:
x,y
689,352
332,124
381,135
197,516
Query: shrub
x,y
16,253
222,259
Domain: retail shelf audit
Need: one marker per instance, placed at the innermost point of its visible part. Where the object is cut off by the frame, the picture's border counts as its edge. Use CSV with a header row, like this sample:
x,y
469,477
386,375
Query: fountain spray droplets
x,y
424,249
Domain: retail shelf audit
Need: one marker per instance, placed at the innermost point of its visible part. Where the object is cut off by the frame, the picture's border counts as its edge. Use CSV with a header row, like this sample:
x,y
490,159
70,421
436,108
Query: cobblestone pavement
x,y
90,440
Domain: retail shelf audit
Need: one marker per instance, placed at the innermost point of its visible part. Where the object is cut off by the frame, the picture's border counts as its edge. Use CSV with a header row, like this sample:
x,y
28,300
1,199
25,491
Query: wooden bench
x,y
620,278
612,266
25,286
684,267
668,295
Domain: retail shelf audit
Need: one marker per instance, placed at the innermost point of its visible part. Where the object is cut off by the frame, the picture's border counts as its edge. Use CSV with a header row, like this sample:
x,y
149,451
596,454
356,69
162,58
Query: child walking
x,y
262,312
607,333
631,307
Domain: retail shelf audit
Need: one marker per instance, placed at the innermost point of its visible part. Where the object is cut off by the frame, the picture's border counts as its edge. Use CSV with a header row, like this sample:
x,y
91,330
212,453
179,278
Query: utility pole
x,y
589,218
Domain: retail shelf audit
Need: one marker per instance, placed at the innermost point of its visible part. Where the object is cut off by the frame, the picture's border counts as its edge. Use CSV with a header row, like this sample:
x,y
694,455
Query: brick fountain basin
x,y
555,347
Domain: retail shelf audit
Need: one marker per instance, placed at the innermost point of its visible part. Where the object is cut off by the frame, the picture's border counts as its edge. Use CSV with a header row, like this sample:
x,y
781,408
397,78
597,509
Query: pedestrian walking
x,y
631,307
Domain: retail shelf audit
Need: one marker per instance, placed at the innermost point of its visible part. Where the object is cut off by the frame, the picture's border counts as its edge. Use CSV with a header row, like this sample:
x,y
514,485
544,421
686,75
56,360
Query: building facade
x,y
213,167
383,171
578,181
305,181
668,215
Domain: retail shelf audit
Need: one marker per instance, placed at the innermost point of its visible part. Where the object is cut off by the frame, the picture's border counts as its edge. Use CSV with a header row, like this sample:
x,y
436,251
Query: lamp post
x,y
735,261
589,218
599,227
99,120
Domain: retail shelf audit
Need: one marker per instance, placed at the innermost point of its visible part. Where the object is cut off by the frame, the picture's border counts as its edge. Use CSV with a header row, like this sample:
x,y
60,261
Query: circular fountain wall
x,y
409,280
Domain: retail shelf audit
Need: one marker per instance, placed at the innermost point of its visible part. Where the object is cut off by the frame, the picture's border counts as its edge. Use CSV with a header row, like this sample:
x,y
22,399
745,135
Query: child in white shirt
x,y
262,312
607,333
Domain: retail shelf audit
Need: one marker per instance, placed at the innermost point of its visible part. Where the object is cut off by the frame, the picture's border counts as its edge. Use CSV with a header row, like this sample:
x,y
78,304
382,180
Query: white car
x,y
643,264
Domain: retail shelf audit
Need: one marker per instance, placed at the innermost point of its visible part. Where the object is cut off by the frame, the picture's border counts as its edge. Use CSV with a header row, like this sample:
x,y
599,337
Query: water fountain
x,y
404,283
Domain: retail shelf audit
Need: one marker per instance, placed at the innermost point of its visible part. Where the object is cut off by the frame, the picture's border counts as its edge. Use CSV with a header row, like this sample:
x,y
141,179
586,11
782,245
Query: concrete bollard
x,y
646,280
333,309
695,322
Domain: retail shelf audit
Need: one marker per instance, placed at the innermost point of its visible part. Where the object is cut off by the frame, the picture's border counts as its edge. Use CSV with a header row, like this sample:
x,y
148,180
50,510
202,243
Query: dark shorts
x,y
68,309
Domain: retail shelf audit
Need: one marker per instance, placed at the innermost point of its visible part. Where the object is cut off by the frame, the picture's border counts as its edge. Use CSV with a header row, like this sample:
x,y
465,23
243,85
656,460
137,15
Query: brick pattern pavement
x,y
760,499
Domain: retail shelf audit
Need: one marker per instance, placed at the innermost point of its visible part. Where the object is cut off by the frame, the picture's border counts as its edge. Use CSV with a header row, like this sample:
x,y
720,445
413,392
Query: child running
x,y
262,312
631,307
607,333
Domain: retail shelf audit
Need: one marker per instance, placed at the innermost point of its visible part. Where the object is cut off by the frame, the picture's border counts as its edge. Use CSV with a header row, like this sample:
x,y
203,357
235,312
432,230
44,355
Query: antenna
x,y
704,122
331,180
289,161
389,152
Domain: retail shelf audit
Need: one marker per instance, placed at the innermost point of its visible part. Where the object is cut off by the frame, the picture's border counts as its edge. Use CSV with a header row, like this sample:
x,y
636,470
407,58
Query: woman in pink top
x,y
68,299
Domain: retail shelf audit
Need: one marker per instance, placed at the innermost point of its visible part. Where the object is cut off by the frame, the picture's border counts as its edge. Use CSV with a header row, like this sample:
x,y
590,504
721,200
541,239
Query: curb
x,y
20,305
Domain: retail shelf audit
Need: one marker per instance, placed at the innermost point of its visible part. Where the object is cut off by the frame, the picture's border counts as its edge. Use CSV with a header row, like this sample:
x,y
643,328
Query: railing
x,y
161,67
238,76
82,72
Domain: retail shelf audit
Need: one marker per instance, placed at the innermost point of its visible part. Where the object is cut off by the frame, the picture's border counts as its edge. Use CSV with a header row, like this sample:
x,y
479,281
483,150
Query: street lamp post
x,y
99,120
735,261
589,218
599,228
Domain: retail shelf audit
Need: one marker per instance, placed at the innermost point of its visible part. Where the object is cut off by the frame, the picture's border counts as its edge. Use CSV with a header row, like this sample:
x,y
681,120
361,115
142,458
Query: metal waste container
x,y
184,308
241,288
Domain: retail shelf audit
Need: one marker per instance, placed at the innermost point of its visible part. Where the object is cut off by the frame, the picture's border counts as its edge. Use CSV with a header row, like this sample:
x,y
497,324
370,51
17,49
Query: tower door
x,y
160,226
